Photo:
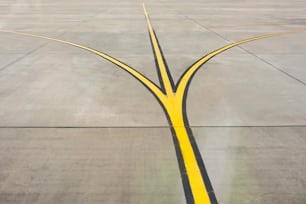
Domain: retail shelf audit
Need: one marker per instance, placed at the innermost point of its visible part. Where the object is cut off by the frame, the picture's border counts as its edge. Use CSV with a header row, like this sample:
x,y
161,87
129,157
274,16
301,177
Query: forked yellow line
x,y
173,101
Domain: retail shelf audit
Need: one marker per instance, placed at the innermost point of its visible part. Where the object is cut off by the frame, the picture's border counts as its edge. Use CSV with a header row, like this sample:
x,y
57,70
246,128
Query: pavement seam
x,y
22,57
44,44
249,52
275,67
148,127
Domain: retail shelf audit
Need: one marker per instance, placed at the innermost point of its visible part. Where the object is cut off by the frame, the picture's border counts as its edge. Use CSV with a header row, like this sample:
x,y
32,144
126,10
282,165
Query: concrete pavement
x,y
76,129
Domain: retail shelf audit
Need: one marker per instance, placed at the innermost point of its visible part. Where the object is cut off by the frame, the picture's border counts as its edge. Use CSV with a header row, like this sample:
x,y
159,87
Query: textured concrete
x,y
255,164
129,156
105,165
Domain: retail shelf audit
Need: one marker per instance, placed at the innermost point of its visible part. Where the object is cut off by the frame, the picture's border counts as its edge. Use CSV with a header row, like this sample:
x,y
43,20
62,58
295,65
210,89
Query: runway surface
x,y
174,102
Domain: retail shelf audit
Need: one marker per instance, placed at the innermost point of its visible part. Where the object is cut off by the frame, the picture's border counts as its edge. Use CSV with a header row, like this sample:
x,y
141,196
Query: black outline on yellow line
x,y
172,98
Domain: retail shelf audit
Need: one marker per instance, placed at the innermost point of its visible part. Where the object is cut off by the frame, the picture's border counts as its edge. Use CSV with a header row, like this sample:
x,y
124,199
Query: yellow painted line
x,y
188,75
172,101
174,108
162,67
156,90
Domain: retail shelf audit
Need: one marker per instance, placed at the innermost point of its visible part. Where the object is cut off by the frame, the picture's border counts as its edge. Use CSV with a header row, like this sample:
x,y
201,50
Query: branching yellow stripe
x,y
155,90
171,101
188,75
161,64
173,106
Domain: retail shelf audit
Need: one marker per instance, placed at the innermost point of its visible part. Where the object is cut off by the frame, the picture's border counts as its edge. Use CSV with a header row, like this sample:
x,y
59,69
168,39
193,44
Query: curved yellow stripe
x,y
173,103
150,85
181,87
174,107
161,65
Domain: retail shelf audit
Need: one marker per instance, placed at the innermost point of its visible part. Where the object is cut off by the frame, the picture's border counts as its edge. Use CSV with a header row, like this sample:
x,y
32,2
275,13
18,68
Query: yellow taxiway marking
x,y
172,101
190,72
156,90
159,57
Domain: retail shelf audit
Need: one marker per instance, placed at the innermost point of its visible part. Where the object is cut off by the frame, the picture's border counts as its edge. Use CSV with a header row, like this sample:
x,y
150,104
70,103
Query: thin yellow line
x,y
156,90
187,76
160,61
173,103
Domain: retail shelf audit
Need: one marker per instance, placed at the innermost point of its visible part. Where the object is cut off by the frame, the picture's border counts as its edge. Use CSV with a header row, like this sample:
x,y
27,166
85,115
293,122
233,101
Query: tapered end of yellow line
x,y
144,8
292,32
299,31
5,31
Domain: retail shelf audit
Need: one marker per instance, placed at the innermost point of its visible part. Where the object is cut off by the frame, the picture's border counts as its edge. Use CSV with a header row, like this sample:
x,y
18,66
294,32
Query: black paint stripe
x,y
157,65
184,176
185,180
196,150
165,62
183,74
162,87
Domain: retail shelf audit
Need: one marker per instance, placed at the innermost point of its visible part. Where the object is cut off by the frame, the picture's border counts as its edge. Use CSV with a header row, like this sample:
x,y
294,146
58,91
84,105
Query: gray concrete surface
x,y
129,156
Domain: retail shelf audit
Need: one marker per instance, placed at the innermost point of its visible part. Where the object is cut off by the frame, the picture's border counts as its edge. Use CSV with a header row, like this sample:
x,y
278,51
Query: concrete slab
x,y
290,64
78,165
246,106
243,90
255,165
